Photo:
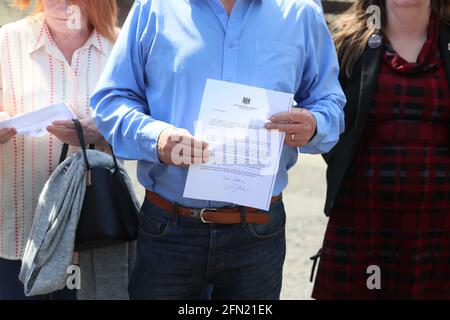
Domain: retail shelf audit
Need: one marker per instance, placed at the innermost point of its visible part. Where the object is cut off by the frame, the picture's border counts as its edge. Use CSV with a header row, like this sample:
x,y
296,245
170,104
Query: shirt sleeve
x,y
320,91
319,3
119,105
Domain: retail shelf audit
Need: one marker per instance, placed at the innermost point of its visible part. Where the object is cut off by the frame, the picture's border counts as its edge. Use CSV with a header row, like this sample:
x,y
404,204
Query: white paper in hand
x,y
35,123
245,156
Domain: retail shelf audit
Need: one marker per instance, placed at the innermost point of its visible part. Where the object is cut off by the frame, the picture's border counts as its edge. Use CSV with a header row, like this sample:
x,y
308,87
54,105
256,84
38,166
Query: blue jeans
x,y
12,289
178,256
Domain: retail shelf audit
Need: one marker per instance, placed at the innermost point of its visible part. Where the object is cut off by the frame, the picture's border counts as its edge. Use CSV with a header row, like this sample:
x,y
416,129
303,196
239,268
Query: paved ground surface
x,y
304,199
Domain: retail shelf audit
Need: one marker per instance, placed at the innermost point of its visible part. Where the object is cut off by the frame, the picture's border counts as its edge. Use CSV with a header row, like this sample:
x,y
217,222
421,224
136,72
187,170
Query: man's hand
x,y
298,124
6,134
178,147
66,132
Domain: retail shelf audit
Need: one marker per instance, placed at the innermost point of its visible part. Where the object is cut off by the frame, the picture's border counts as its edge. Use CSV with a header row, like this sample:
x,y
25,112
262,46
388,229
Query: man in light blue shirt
x,y
148,100
319,3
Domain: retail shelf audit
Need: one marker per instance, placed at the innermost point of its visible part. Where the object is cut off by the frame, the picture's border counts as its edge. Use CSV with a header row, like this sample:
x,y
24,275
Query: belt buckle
x,y
203,211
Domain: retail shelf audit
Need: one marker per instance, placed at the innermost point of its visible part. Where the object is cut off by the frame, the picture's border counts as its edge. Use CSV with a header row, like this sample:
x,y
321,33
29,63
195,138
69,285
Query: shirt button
x,y
229,79
220,11
231,44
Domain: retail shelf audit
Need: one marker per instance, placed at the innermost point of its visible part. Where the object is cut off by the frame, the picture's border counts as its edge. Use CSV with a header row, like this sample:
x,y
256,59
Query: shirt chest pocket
x,y
276,65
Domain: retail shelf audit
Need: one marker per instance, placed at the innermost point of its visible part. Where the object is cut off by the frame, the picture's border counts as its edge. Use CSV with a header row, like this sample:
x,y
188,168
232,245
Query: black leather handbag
x,y
109,214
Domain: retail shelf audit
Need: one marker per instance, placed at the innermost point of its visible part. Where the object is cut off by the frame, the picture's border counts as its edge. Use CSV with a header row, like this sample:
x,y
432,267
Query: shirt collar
x,y
96,40
41,36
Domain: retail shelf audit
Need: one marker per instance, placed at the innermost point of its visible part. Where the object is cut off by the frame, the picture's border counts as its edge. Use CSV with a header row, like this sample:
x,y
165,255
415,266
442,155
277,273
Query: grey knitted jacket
x,y
50,247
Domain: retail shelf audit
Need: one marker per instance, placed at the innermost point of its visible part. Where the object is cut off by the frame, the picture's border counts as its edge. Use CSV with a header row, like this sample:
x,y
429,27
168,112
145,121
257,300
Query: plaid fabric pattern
x,y
393,210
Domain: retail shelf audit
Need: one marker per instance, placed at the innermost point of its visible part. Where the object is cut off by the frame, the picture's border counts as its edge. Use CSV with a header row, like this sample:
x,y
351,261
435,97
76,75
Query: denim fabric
x,y
178,256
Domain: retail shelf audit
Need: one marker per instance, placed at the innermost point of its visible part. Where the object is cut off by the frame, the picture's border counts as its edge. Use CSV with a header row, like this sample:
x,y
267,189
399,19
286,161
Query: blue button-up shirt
x,y
167,49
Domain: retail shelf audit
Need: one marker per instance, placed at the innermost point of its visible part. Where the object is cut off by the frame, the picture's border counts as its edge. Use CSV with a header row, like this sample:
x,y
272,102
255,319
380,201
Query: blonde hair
x,y
351,32
101,14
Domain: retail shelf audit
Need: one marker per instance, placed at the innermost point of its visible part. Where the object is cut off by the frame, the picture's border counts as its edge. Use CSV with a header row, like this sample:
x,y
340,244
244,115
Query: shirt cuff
x,y
149,140
313,147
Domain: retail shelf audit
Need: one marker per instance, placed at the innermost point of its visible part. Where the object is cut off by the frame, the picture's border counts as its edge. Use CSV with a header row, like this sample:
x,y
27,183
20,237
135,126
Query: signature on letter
x,y
234,185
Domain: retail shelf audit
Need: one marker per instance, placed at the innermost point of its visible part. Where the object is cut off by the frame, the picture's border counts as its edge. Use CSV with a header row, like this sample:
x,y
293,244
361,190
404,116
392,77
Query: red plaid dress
x,y
393,210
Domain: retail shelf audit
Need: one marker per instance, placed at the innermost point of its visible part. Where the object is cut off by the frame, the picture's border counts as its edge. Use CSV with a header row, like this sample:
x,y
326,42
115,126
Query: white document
x,y
35,123
245,156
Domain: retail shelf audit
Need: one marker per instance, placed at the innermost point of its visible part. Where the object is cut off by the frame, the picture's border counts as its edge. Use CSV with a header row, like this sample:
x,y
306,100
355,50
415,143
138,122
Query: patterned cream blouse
x,y
35,74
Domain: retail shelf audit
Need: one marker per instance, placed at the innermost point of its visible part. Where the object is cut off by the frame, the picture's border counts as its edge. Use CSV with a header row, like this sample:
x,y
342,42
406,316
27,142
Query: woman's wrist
x,y
102,143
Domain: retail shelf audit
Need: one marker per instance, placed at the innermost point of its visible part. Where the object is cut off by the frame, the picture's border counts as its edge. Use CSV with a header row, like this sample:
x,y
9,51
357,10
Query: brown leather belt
x,y
226,215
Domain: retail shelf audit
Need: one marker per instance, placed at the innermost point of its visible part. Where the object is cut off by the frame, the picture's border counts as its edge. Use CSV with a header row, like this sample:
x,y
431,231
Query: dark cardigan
x,y
359,90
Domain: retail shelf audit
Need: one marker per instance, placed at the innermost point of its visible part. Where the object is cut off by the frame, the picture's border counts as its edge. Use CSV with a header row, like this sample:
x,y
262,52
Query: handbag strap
x,y
116,166
65,148
81,139
65,151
